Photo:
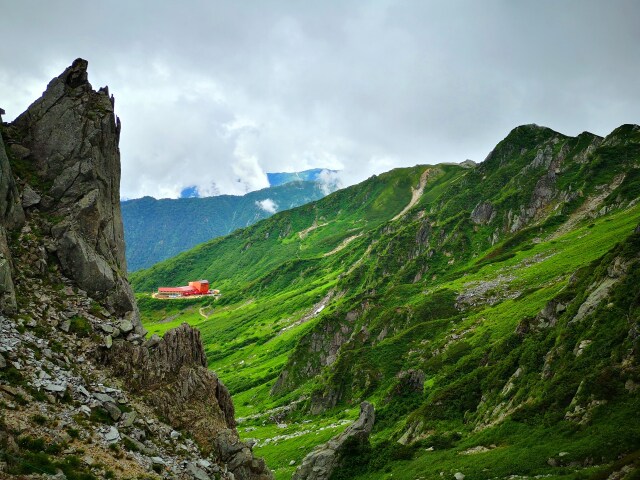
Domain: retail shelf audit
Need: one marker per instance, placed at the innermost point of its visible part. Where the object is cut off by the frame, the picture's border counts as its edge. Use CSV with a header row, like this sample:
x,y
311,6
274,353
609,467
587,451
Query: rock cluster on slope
x,y
172,375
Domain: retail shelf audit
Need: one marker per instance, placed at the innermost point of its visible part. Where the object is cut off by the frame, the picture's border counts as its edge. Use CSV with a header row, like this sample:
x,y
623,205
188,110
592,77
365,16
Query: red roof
x,y
176,289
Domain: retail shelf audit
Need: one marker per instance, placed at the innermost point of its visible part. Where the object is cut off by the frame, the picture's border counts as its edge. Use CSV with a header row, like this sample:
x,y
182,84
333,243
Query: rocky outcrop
x,y
59,200
11,217
324,343
483,213
172,375
408,382
325,458
68,140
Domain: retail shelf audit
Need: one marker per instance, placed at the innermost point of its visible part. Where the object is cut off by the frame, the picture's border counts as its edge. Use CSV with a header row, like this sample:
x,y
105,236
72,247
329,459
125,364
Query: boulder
x,y
325,458
125,326
197,472
103,397
113,410
128,418
112,435
30,197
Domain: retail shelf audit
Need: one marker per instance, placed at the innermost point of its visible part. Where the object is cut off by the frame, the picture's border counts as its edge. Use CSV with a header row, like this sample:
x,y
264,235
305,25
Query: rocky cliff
x,y
65,151
172,374
11,218
82,393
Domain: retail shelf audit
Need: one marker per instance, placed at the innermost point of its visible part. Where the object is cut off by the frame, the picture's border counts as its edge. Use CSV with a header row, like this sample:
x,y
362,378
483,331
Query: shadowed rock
x,y
325,458
483,213
11,218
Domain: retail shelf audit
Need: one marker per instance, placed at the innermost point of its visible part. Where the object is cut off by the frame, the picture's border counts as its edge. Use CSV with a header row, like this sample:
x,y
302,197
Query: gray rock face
x,y
483,213
11,217
325,458
7,291
11,213
30,197
70,137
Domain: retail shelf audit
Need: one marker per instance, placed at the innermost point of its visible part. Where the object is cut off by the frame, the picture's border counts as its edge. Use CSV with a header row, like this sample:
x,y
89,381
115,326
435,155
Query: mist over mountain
x,y
312,175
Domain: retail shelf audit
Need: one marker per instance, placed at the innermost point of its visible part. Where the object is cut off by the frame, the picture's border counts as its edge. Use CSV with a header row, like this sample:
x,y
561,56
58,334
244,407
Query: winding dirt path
x,y
302,234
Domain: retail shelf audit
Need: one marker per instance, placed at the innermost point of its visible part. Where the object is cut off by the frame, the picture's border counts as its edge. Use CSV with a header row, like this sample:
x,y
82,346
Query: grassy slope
x,y
272,276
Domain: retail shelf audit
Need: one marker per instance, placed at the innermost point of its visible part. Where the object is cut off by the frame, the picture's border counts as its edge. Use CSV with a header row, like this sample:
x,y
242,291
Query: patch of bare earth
x,y
416,193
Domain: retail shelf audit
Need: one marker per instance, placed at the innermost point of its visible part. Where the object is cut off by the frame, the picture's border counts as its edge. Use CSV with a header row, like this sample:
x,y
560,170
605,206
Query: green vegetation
x,y
80,326
37,456
485,287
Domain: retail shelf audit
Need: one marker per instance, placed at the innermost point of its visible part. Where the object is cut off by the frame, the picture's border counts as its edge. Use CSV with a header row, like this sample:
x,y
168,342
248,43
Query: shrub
x,y
80,326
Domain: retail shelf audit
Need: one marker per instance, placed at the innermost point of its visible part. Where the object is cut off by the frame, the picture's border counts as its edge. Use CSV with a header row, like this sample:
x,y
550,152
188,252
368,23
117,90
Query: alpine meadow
x,y
489,312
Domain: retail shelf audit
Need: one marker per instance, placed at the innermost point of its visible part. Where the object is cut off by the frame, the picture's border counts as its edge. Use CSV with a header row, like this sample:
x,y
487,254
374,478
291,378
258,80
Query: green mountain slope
x,y
159,229
491,314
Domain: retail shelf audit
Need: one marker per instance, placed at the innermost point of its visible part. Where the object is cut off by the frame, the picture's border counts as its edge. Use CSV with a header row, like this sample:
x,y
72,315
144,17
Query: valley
x,y
467,304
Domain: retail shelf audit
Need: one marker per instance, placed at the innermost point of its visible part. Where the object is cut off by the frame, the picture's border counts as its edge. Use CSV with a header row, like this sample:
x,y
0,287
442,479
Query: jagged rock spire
x,y
70,137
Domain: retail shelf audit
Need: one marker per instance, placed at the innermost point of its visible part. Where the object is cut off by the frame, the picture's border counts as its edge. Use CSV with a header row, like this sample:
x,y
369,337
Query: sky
x,y
215,94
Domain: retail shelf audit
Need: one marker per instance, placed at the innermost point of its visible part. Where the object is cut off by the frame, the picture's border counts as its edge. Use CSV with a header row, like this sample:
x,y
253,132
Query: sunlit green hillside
x,y
490,313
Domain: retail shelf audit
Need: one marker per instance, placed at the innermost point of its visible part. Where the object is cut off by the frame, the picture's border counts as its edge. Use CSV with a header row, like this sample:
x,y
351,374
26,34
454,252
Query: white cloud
x,y
218,93
329,181
267,205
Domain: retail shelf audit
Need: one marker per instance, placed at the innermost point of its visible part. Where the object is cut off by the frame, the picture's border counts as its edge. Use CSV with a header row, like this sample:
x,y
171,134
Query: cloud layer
x,y
214,94
268,205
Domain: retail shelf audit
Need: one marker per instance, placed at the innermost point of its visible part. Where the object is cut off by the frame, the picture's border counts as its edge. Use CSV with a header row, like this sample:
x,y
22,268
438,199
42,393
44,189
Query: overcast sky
x,y
216,94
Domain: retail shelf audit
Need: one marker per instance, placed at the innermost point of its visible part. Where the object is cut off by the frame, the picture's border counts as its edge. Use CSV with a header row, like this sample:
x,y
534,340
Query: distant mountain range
x,y
159,229
281,178
311,175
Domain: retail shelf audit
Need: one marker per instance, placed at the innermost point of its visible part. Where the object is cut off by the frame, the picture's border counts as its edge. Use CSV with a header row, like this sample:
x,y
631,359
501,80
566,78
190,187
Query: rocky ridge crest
x,y
66,154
